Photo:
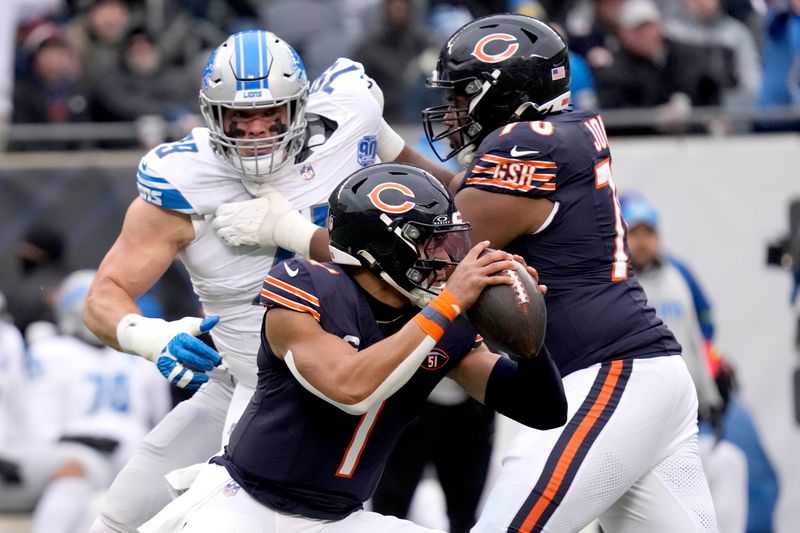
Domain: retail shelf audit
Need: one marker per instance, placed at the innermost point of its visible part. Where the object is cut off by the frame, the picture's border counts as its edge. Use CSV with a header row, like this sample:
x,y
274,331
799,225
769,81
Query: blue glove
x,y
185,359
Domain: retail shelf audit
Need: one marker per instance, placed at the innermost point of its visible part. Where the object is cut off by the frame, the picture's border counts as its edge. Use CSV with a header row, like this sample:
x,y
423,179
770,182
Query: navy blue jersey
x,y
299,454
596,310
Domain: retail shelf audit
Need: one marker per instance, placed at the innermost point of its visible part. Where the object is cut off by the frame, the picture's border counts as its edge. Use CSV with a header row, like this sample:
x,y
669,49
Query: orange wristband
x,y
437,315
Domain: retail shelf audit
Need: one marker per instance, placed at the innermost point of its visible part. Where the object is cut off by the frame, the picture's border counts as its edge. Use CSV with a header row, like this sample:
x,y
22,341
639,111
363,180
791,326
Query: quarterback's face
x,y
251,124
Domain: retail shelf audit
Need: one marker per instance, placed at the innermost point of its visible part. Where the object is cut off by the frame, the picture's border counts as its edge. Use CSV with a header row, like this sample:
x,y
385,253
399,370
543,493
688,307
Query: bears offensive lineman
x,y
268,134
539,184
346,363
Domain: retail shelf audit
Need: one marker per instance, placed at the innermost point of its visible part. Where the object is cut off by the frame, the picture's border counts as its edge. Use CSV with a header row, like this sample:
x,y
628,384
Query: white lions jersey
x,y
81,390
188,177
13,377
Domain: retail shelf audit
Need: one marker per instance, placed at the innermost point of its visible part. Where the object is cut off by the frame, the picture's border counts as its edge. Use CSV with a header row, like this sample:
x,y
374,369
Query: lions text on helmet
x,y
253,99
493,71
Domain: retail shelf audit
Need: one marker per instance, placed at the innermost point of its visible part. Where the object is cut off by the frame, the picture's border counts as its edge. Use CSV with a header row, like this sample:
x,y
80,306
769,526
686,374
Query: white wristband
x,y
293,232
398,377
390,144
147,337
134,337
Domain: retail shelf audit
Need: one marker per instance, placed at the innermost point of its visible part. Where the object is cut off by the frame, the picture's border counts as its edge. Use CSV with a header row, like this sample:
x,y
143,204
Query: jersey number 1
x,y
359,441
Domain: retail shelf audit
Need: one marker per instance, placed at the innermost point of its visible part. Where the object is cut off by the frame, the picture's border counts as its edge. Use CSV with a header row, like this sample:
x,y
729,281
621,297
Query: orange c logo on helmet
x,y
480,52
375,198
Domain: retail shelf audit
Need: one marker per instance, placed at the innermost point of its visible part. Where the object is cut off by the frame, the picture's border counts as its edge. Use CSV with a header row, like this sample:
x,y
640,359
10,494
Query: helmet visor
x,y
440,254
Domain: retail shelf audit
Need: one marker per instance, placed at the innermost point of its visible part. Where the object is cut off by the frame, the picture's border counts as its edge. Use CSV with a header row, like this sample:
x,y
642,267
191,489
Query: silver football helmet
x,y
255,70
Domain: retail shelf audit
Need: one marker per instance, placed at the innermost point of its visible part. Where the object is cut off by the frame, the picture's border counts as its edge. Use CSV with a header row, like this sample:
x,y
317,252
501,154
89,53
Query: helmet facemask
x,y
463,129
257,157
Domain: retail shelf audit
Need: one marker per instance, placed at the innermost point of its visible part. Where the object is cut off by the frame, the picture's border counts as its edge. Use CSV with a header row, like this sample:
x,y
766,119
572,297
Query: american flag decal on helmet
x,y
558,73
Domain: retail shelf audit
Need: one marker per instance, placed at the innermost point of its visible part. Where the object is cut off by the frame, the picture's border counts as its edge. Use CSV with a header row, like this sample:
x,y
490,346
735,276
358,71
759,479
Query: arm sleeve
x,y
529,391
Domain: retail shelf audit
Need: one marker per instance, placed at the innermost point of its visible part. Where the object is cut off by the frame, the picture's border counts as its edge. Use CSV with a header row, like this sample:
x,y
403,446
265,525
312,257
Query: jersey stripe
x,y
497,159
510,186
310,298
160,192
573,445
270,298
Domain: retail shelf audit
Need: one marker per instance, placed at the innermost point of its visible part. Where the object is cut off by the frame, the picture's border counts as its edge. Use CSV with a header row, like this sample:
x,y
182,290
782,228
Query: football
x,y
511,318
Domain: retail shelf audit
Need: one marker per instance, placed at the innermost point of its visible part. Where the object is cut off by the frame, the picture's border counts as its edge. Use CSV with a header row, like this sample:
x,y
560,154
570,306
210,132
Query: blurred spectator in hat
x,y
653,71
50,90
742,480
727,43
13,13
41,257
669,294
140,84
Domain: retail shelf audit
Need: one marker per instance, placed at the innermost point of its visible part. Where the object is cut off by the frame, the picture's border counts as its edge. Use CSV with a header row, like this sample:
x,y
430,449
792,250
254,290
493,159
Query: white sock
x,y
62,507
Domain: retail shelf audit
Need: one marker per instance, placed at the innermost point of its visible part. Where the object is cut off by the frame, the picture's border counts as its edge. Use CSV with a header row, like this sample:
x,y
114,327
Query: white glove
x,y
270,220
172,346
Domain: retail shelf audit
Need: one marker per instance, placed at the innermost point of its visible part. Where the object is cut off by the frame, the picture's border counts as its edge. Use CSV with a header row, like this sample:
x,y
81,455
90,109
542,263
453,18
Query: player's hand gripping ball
x,y
511,318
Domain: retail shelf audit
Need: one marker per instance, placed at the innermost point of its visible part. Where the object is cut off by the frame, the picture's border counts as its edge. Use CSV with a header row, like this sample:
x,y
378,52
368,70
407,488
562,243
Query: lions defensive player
x,y
269,134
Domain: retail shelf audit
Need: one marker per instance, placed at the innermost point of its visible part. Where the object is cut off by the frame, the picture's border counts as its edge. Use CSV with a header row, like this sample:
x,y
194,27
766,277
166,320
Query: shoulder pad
x,y
318,131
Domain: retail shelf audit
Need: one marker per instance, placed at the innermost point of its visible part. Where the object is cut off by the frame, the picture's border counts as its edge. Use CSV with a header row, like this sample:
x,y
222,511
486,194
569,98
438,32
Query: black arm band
x,y
529,391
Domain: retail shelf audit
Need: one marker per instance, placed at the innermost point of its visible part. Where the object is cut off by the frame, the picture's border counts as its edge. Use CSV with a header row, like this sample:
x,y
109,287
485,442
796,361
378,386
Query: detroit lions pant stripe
x,y
572,447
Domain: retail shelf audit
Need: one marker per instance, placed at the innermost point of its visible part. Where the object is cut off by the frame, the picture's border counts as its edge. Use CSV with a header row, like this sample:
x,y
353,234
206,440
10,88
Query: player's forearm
x,y
529,391
105,306
357,381
410,156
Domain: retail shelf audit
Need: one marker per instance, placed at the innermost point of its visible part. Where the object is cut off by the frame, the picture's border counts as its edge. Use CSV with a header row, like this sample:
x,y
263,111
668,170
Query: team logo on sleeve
x,y
390,198
506,48
367,148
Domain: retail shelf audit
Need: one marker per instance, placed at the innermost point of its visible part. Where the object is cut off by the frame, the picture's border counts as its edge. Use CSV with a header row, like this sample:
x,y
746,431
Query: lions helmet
x,y
509,67
402,224
255,70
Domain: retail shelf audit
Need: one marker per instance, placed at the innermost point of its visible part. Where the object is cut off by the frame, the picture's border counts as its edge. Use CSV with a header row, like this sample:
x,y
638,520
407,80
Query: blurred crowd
x,y
121,60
